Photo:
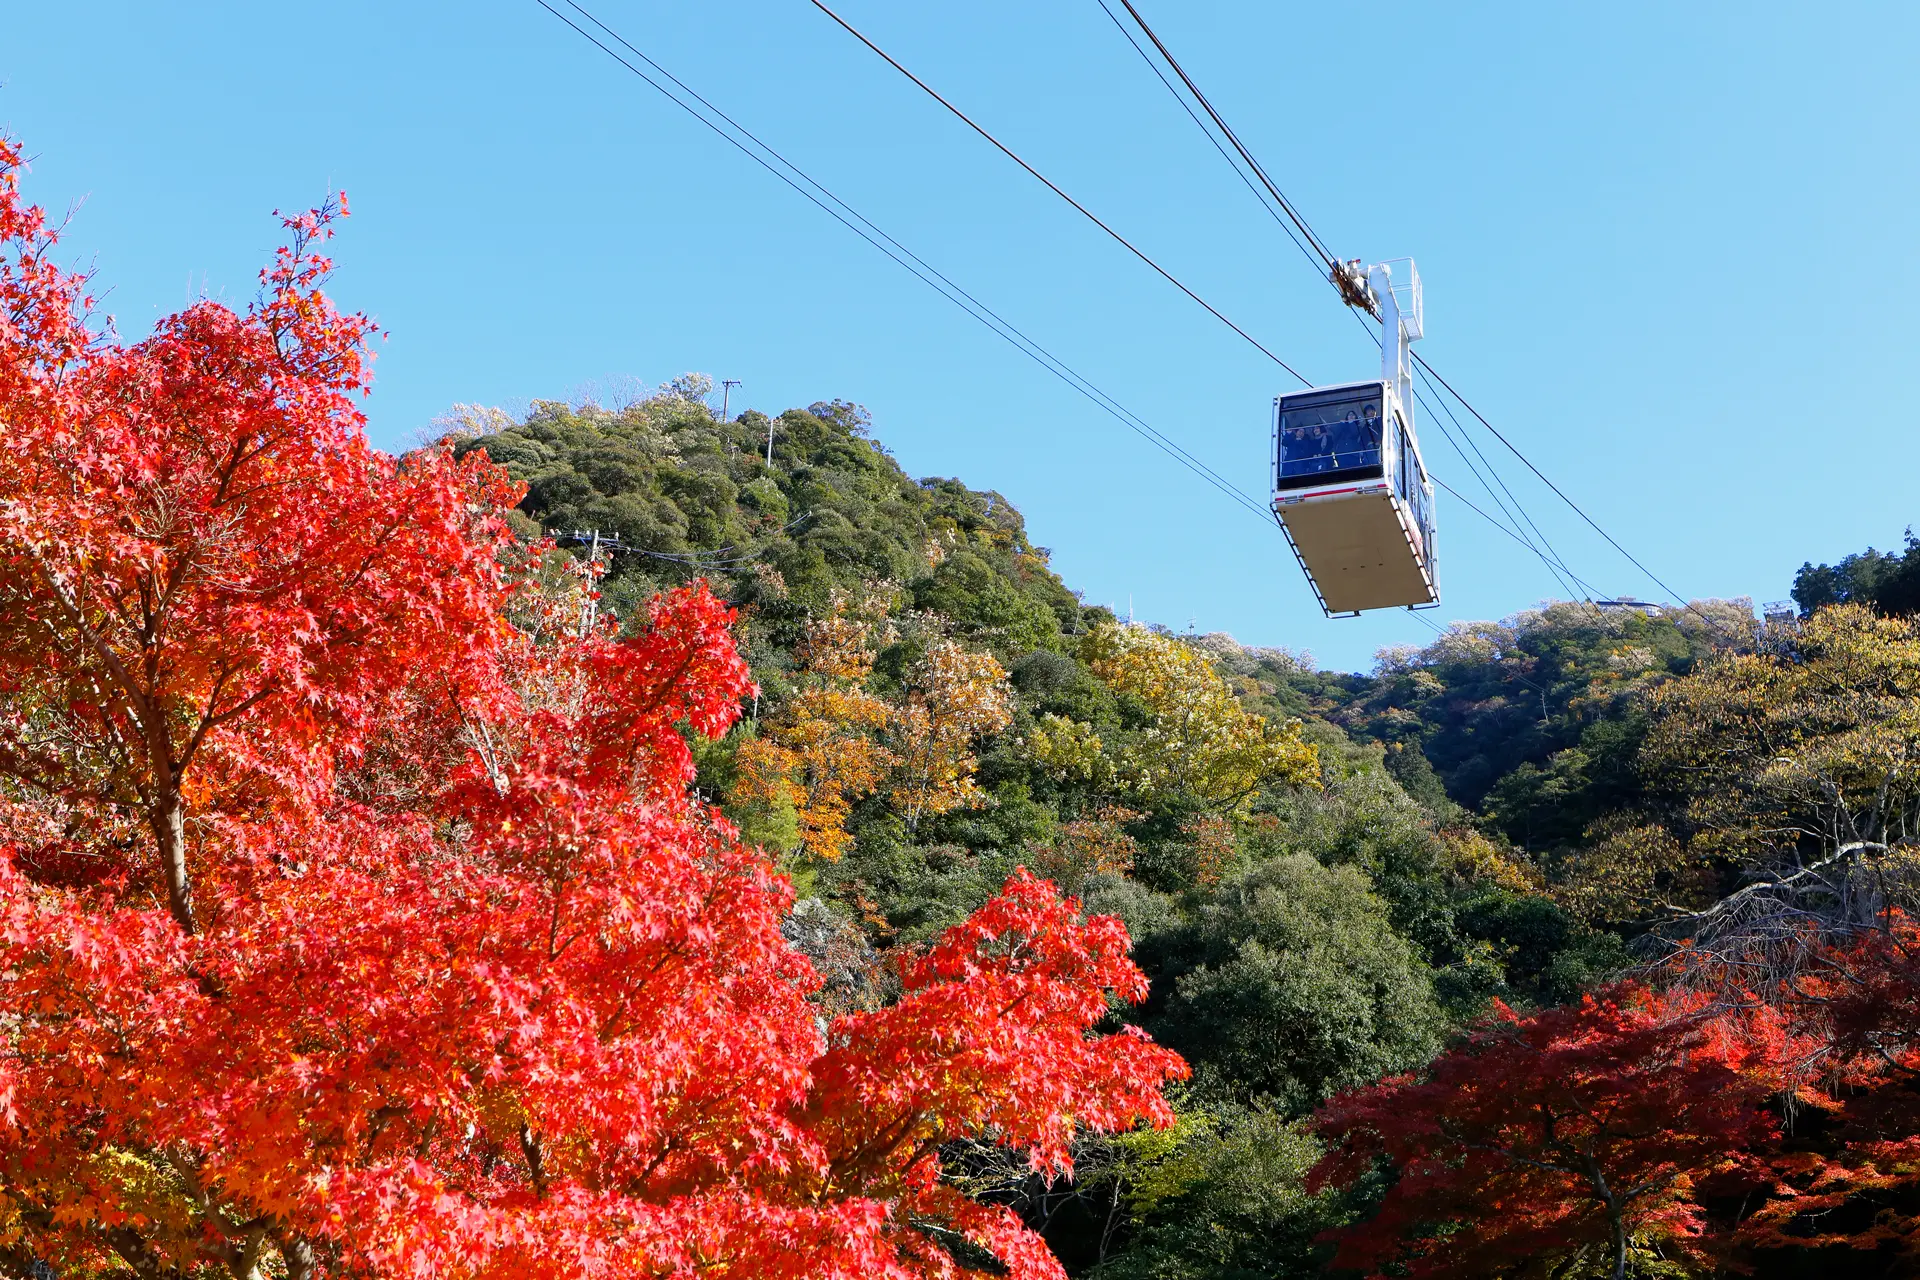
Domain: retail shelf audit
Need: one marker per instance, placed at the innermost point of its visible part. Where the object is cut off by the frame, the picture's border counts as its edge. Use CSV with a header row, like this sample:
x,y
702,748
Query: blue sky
x,y
1668,249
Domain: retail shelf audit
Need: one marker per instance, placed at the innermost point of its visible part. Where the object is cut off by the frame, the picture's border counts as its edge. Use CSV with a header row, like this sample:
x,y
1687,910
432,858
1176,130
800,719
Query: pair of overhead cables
x,y
1288,216
764,155
1324,258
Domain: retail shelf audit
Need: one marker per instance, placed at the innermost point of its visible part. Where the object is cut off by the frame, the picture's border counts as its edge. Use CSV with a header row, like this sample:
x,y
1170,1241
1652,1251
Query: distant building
x,y
1780,613
1628,603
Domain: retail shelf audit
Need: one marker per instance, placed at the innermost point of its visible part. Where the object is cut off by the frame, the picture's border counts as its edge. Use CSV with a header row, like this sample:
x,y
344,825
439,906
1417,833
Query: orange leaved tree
x,y
821,752
356,918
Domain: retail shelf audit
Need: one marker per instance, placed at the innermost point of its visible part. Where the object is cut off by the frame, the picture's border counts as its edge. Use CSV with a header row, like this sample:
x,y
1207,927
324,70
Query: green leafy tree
x,y
1290,984
1224,1197
1888,581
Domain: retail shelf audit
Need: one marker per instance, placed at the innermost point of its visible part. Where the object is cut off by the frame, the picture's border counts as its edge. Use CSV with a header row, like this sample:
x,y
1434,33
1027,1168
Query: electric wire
x,y
1419,359
1007,151
717,558
904,257
1275,214
1319,250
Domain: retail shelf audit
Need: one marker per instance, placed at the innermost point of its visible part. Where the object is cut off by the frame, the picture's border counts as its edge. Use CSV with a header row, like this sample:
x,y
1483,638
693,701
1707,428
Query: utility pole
x,y
726,392
770,422
590,607
597,544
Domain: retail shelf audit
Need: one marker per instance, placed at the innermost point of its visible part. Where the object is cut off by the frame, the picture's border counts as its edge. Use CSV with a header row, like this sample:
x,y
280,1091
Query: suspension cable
x,y
1326,256
913,263
1420,360
1085,212
1280,219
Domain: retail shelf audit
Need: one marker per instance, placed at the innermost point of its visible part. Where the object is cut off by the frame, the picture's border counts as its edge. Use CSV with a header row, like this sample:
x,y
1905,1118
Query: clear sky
x,y
1669,249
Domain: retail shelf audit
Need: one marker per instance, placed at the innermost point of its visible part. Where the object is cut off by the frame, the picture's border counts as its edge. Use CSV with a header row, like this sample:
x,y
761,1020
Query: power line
x,y
1318,249
863,227
1087,213
1326,256
1420,360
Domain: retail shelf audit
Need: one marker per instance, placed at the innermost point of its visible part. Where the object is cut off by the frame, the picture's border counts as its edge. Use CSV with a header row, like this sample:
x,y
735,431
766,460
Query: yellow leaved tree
x,y
822,751
955,697
1201,739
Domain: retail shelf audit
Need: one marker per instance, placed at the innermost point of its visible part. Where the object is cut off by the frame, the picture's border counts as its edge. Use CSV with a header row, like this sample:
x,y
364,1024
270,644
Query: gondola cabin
x,y
1349,488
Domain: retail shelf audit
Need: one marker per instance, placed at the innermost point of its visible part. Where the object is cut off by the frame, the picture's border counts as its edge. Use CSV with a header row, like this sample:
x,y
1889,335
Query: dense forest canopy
x,y
1889,581
1329,878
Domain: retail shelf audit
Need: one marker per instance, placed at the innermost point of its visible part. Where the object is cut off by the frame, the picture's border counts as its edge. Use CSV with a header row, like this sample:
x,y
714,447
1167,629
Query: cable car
x,y
1349,489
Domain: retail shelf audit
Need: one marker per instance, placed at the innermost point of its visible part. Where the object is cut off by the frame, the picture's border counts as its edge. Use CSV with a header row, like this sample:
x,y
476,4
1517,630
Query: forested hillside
x,y
1326,876
1329,878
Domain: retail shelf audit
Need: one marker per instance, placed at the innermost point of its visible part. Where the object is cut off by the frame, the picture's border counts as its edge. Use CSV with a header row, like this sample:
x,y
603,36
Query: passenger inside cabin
x,y
1293,451
1320,445
1346,441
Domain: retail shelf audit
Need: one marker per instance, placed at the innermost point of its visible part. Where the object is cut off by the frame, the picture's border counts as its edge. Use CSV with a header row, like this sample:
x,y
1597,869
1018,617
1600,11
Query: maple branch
x,y
211,720
166,816
536,1165
298,1253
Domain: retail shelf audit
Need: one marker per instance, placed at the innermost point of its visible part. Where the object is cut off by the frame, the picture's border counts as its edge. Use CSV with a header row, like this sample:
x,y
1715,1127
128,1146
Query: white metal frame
x,y
1402,310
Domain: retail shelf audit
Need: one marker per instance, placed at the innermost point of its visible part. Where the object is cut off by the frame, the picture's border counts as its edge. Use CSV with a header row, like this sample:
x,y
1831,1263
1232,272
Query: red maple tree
x,y
1850,1183
1582,1129
355,914
1643,1122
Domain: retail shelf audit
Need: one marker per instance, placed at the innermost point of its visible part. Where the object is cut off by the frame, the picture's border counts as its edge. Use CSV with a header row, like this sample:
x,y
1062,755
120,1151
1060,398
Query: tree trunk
x,y
1617,1225
168,818
1616,1215
298,1254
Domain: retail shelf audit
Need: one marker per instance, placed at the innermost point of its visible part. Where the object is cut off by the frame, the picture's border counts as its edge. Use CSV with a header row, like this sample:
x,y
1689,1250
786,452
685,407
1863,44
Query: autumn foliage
x,y
1704,1127
1590,1126
355,915
822,753
836,742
